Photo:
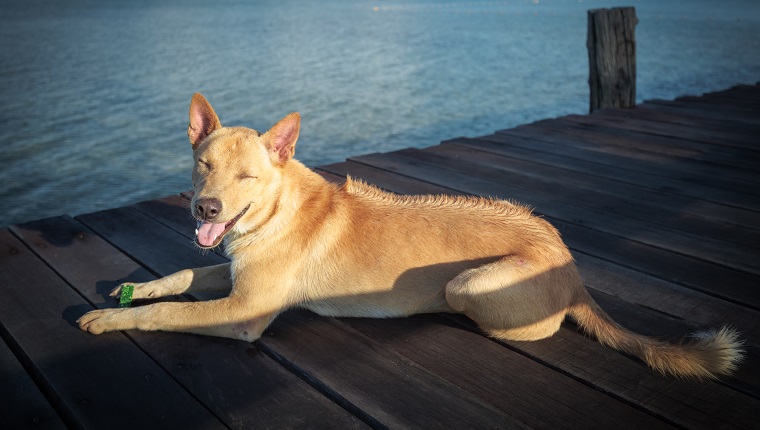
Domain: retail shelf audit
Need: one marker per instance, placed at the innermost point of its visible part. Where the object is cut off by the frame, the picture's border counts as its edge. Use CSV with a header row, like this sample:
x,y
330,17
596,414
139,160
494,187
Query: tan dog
x,y
296,240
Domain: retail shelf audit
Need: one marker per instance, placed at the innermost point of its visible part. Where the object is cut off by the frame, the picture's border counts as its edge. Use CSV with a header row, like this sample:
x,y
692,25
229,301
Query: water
x,y
94,94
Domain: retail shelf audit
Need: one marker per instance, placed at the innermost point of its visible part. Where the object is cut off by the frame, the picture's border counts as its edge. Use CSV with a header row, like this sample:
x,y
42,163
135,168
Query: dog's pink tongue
x,y
208,232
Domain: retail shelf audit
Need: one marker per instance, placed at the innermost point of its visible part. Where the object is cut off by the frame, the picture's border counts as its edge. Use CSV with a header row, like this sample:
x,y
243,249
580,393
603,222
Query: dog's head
x,y
237,171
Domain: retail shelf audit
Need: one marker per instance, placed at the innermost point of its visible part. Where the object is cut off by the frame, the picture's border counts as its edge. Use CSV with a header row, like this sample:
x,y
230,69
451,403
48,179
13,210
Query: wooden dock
x,y
660,206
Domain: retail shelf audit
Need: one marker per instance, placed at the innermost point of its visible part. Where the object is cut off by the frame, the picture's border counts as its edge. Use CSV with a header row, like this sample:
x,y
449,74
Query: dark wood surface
x,y
660,206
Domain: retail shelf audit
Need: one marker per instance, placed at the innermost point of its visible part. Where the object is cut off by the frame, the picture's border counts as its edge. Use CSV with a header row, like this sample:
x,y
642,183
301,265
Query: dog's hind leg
x,y
515,298
203,279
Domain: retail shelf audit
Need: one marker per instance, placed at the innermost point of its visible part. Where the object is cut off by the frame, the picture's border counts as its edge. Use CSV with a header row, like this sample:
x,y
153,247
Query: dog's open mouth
x,y
209,235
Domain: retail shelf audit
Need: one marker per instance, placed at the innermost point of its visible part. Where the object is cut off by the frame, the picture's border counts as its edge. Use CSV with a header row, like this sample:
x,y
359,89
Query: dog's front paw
x,y
103,320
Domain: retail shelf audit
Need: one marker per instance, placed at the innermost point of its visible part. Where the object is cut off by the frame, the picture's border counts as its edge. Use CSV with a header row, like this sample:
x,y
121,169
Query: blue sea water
x,y
94,94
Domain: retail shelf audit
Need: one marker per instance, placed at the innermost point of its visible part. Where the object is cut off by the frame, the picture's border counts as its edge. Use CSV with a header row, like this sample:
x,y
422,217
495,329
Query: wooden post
x,y
611,47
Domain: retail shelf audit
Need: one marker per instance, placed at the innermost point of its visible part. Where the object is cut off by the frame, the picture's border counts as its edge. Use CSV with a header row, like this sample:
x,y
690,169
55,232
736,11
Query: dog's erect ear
x,y
281,139
203,120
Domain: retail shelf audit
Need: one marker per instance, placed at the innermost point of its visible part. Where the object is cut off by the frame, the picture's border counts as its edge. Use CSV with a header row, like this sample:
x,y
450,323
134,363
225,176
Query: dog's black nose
x,y
208,208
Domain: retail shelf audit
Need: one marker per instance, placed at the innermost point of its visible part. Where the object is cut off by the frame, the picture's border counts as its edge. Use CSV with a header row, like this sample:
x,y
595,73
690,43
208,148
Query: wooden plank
x,y
686,311
174,212
702,138
716,132
682,229
672,177
682,269
128,228
352,380
695,308
745,94
242,386
387,179
181,221
332,177
545,399
676,148
533,151
92,380
644,112
735,97
746,107
698,405
655,207
701,174
614,373
704,110
399,393
744,91
541,185
22,404
723,138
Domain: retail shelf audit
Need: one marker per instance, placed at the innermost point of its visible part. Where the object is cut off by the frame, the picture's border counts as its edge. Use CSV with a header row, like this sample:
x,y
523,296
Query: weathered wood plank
x,y
719,111
698,405
725,142
242,386
677,148
660,210
128,228
744,91
737,103
174,212
540,152
397,392
540,397
91,379
700,174
22,404
646,113
628,168
589,190
182,220
747,144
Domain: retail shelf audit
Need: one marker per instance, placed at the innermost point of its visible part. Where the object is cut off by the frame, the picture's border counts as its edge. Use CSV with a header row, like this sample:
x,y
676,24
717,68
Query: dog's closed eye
x,y
205,164
247,176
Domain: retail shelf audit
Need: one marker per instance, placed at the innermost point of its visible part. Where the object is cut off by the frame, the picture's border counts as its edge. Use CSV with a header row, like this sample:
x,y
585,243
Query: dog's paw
x,y
103,320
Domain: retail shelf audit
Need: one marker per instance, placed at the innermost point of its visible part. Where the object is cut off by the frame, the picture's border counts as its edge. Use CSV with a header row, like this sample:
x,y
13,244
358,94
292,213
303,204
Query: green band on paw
x,y
125,300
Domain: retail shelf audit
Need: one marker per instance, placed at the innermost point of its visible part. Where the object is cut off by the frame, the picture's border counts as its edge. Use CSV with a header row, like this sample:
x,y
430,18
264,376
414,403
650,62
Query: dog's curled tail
x,y
707,355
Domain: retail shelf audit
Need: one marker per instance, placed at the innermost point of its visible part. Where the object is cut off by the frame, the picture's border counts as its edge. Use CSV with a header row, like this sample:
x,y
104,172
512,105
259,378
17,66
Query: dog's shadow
x,y
103,300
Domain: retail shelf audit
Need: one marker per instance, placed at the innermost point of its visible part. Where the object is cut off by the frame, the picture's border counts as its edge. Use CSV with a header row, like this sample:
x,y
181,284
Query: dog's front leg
x,y
231,317
203,279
